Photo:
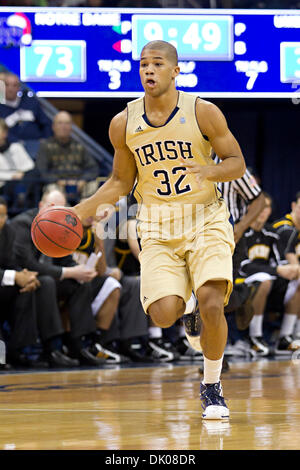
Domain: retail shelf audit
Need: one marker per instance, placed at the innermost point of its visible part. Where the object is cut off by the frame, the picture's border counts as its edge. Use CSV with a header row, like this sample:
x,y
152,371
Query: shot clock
x,y
196,37
290,62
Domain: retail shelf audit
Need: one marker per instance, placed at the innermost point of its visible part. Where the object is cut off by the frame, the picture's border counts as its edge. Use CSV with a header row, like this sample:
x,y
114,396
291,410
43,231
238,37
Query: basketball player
x,y
153,139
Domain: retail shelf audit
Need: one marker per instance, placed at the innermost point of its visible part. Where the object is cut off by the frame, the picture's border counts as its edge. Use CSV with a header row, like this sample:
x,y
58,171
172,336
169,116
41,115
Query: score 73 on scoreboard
x,y
54,61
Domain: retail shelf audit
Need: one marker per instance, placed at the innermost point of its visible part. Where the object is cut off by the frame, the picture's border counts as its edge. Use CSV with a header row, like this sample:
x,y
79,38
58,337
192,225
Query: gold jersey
x,y
160,182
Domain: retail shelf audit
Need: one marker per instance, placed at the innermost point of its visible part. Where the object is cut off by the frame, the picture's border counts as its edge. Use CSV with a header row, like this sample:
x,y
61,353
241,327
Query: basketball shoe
x,y
163,350
192,323
213,402
109,354
259,345
287,345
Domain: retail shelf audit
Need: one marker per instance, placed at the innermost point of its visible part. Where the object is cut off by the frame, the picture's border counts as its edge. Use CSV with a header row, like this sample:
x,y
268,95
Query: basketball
x,y
56,232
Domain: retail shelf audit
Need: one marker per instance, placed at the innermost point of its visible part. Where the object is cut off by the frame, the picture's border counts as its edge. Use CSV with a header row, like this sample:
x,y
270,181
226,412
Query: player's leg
x,y
214,326
165,312
210,265
165,283
213,340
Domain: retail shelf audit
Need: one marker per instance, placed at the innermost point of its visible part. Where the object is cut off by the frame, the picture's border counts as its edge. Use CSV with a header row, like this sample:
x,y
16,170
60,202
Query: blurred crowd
x,y
84,309
282,4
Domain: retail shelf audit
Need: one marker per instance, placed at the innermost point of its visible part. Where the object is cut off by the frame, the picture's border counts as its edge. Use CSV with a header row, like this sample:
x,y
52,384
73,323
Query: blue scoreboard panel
x,y
84,52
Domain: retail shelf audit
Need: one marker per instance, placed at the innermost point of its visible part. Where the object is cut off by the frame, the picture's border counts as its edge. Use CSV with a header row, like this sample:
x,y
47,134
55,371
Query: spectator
x,y
30,309
64,161
264,262
24,116
16,169
288,230
72,282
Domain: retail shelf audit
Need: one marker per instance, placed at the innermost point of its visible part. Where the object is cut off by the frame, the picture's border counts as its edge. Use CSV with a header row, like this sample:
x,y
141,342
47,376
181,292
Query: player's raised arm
x,y
123,175
214,126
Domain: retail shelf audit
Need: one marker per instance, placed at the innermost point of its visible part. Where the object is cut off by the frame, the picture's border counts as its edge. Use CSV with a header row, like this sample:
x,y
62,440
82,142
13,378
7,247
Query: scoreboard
x,y
85,52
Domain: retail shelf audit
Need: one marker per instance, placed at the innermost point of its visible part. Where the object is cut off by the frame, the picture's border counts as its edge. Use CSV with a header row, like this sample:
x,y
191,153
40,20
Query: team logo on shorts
x,y
145,299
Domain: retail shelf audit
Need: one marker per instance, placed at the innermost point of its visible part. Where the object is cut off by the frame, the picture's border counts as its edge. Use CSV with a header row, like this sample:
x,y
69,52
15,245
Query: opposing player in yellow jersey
x,y
163,141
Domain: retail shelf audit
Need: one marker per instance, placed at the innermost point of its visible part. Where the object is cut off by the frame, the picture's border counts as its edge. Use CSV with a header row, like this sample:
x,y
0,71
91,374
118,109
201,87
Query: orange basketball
x,y
56,231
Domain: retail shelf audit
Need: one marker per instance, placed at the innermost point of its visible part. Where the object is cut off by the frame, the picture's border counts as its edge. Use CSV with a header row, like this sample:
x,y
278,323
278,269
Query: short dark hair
x,y
3,201
165,46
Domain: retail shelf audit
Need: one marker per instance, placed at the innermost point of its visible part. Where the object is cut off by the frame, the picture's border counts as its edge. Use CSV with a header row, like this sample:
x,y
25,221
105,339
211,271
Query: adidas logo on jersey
x,y
139,129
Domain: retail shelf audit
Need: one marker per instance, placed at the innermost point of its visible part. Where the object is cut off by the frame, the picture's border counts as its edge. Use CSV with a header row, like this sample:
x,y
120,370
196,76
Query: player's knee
x,y
211,311
211,317
164,312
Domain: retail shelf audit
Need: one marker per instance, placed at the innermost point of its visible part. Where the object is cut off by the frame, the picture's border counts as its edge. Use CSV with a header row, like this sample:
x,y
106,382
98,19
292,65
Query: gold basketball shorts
x,y
177,266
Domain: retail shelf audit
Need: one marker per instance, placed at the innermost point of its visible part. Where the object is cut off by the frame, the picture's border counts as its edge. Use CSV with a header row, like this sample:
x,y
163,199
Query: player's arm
x,y
123,175
213,125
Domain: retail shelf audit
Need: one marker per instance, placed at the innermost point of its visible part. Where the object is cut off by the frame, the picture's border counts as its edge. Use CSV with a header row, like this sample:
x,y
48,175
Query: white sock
x,y
287,325
212,370
256,326
190,305
154,332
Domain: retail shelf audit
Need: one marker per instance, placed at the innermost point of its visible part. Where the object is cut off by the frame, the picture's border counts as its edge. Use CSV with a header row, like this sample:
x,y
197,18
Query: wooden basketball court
x,y
150,408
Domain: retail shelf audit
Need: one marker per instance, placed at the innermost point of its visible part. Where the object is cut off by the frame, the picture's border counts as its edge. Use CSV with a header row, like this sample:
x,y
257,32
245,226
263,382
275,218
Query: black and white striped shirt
x,y
239,193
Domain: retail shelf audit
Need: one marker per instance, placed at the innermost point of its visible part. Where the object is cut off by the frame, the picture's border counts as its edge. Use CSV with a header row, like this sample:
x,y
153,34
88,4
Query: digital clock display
x,y
290,62
85,52
197,37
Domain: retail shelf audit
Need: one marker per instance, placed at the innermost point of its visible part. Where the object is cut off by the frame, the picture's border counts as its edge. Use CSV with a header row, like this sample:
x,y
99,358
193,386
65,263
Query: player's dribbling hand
x,y
190,167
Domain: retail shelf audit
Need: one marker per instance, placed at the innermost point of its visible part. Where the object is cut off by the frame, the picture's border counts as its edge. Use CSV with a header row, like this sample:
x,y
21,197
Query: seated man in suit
x,y
29,307
71,282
